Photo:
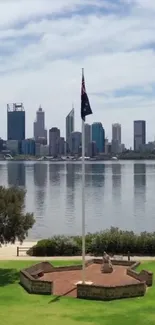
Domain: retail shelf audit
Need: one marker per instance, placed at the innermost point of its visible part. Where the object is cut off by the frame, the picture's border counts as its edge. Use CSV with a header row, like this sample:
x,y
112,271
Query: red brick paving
x,y
64,281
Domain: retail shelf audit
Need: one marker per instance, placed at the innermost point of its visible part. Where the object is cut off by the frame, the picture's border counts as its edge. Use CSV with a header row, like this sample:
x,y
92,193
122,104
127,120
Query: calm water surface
x,y
119,194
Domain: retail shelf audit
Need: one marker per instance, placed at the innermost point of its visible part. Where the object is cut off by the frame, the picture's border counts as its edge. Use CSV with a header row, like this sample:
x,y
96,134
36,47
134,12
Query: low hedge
x,y
114,241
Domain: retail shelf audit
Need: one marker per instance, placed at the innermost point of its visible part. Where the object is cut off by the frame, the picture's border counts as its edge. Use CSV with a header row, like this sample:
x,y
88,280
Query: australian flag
x,y
85,105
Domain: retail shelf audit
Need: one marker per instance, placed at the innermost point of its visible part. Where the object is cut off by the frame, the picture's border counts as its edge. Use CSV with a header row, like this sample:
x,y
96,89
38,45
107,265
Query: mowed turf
x,y
17,307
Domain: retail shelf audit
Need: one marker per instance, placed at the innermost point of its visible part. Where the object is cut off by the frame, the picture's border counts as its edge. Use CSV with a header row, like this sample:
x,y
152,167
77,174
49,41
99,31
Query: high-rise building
x,y
116,138
98,136
54,138
15,122
13,146
69,128
116,132
61,146
40,132
87,138
139,134
28,147
92,149
75,142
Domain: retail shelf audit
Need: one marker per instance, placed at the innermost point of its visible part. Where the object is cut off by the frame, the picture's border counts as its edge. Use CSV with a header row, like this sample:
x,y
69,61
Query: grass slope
x,y
18,307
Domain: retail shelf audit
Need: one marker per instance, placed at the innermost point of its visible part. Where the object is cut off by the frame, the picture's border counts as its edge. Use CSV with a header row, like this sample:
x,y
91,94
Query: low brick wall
x,y
46,266
123,263
117,262
141,276
67,268
34,285
38,286
71,267
42,287
110,293
95,292
26,281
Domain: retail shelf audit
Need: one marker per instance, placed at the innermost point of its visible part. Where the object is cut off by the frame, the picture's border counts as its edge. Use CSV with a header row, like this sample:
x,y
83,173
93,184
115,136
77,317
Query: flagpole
x,y
83,198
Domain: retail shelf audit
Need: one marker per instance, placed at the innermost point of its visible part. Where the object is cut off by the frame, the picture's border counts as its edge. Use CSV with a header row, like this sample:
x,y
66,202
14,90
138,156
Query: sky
x,y
44,44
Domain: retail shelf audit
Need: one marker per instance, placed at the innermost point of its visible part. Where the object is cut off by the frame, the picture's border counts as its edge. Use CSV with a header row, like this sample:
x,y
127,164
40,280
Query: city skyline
x,y
40,65
42,135
96,141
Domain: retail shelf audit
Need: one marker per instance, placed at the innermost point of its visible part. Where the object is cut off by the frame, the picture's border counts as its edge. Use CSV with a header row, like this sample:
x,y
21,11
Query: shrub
x,y
56,246
114,241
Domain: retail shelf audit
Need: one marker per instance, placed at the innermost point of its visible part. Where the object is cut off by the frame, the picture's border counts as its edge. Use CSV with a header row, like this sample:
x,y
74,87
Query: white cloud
x,y
46,69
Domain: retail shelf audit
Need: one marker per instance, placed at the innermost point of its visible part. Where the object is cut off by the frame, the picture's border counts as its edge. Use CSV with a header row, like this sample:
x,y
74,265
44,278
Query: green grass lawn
x,y
17,307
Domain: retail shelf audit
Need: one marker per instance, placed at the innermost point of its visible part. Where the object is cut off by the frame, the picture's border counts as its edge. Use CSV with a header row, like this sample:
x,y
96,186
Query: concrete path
x,y
9,252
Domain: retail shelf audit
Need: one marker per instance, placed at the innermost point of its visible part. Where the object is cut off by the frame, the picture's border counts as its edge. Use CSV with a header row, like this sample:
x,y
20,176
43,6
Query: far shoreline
x,y
77,161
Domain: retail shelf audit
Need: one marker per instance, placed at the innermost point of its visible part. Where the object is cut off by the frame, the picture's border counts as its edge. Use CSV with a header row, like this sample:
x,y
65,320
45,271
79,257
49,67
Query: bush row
x,y
113,241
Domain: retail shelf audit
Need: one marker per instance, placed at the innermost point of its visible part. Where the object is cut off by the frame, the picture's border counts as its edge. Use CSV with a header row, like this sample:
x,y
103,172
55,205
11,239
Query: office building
x,y
139,134
75,142
44,150
92,149
116,138
40,133
69,128
98,136
2,145
41,150
106,146
116,132
13,146
28,147
61,146
87,138
15,122
54,137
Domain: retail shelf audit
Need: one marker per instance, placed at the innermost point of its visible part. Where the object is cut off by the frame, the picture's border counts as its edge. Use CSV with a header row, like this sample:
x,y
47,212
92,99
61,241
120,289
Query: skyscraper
x,y
15,122
139,134
116,138
98,136
39,126
69,127
87,138
75,142
54,138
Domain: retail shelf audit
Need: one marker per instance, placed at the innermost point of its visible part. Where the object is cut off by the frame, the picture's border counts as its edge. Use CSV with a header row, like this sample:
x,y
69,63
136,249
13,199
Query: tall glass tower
x,y
98,136
69,126
139,134
15,122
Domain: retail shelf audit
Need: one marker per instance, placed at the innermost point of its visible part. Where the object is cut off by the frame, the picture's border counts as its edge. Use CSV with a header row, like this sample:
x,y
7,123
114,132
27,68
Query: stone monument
x,y
106,265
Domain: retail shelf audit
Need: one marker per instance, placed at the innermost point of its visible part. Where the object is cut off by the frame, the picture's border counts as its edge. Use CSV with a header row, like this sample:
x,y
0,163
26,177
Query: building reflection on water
x,y
40,182
16,174
140,183
139,194
98,175
70,196
56,171
116,181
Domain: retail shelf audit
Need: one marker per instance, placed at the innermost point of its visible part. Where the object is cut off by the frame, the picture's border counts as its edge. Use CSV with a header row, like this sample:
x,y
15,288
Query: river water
x,y
119,194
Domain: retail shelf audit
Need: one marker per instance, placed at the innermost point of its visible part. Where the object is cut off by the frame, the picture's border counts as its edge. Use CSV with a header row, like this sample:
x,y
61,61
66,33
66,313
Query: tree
x,y
14,223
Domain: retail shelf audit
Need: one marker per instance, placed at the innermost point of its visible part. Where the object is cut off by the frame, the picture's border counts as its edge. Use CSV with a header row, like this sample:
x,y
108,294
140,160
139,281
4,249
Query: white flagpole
x,y
83,200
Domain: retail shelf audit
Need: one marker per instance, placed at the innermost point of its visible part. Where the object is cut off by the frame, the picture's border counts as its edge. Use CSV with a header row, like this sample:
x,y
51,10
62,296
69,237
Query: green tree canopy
x,y
14,222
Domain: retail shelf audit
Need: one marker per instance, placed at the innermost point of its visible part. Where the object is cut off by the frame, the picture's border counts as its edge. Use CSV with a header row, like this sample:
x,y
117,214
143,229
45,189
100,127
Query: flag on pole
x,y
85,105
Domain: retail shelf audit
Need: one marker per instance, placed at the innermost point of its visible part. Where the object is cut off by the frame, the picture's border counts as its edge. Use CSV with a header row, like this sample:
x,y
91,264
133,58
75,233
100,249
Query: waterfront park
x,y
21,306
103,289
26,297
